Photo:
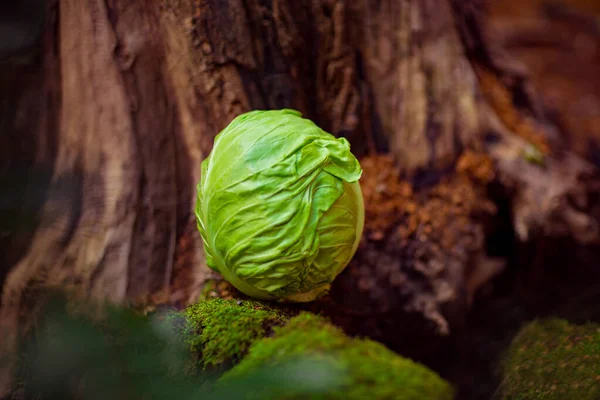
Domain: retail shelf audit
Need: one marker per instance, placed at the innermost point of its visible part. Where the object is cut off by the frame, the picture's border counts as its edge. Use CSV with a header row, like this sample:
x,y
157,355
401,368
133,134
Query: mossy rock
x,y
219,332
362,369
553,359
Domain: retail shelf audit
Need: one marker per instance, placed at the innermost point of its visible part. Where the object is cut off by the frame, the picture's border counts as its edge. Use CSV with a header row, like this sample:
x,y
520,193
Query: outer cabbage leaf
x,y
279,207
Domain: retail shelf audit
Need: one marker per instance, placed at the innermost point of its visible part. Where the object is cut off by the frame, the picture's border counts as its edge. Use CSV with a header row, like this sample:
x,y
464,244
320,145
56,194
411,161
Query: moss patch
x,y
221,331
368,369
553,359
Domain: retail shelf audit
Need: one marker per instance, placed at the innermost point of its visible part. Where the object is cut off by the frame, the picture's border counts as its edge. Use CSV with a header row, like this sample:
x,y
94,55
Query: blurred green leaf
x,y
125,355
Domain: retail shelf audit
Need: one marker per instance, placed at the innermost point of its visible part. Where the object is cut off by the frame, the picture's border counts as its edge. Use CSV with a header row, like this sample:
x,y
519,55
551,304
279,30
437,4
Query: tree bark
x,y
126,97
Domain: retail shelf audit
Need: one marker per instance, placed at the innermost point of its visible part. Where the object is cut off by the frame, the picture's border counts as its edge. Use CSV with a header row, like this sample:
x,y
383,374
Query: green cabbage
x,y
279,206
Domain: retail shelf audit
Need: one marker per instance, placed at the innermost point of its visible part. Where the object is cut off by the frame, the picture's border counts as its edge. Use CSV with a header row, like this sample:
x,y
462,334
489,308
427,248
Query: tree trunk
x,y
111,122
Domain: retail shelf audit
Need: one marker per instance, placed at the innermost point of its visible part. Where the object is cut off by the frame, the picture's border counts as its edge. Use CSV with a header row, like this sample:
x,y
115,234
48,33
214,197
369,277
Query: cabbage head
x,y
279,206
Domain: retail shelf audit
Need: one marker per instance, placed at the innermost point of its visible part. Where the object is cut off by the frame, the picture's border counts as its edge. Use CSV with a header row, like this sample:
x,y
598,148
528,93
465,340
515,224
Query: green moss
x,y
553,359
220,331
368,369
